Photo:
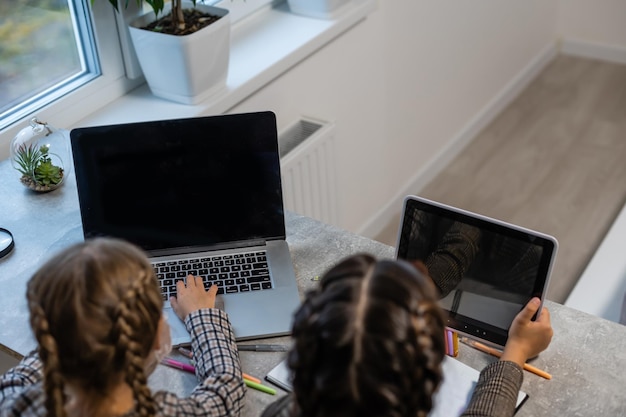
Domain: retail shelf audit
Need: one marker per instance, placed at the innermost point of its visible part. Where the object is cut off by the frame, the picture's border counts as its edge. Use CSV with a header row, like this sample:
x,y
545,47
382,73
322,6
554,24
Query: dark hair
x,y
368,341
95,309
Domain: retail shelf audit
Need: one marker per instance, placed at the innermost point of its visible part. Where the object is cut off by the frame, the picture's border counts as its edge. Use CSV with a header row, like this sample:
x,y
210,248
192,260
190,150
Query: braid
x,y
132,348
95,310
428,328
302,358
369,342
48,352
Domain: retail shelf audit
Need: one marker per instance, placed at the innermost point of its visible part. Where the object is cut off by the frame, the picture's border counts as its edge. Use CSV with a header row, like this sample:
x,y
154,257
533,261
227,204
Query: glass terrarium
x,y
40,153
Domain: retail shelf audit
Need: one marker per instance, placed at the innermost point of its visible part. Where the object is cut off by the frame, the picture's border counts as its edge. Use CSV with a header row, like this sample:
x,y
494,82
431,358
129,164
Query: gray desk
x,y
587,357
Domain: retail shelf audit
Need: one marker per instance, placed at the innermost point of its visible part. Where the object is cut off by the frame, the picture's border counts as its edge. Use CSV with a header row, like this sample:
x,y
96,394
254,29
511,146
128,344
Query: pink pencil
x,y
179,365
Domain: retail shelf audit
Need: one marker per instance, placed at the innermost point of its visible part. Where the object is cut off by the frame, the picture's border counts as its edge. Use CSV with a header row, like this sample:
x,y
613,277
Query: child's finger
x,y
199,282
191,281
544,317
529,310
212,290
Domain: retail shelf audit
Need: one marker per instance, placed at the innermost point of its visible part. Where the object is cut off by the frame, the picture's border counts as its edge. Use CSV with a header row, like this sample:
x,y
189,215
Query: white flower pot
x,y
321,9
186,69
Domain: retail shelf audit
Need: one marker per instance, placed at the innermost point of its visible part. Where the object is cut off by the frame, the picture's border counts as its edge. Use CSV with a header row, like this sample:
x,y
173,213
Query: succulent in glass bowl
x,y
38,153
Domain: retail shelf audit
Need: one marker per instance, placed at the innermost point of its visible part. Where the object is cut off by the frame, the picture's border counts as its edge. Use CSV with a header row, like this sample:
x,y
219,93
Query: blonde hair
x,y
95,309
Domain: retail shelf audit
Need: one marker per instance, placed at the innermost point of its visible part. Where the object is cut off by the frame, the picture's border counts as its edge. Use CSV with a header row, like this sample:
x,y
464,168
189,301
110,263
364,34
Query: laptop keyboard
x,y
241,272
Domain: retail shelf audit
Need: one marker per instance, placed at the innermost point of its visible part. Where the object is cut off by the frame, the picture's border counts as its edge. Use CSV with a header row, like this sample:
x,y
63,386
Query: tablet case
x,y
486,270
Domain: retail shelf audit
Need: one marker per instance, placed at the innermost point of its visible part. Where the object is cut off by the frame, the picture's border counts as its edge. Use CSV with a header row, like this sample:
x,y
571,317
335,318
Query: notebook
x,y
452,398
487,270
190,191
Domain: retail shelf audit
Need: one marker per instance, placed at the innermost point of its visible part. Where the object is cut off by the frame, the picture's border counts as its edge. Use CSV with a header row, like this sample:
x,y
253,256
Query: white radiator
x,y
308,169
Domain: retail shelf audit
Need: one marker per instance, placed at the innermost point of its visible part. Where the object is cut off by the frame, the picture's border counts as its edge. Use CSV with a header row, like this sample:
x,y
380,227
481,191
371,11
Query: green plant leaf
x,y
27,159
48,174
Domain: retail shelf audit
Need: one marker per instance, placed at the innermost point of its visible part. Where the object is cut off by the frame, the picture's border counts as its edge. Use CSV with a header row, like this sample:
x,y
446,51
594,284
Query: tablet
x,y
486,270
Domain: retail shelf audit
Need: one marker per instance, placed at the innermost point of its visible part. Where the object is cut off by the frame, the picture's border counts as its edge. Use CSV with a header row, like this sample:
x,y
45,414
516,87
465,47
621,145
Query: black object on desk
x,y
6,242
263,348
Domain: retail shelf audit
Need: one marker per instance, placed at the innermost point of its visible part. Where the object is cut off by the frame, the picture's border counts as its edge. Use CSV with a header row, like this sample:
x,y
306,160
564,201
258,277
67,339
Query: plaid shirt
x,y
220,394
495,394
496,391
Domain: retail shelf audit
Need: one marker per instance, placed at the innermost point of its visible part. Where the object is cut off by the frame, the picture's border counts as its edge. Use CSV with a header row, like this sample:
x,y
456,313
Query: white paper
x,y
455,392
453,397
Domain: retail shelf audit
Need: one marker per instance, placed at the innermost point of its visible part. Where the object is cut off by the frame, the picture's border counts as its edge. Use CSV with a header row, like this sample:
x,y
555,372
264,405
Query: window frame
x,y
120,71
110,84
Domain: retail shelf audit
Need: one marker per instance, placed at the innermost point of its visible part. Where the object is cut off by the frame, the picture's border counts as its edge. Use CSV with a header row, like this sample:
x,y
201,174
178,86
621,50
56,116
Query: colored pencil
x,y
498,354
260,387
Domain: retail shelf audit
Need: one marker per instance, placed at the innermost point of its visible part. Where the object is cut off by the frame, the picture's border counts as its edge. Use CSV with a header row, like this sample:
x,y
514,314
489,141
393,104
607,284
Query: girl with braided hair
x,y
369,341
96,312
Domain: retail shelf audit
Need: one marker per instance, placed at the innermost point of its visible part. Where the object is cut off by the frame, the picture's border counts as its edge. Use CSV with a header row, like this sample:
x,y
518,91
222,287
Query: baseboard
x,y
603,52
376,224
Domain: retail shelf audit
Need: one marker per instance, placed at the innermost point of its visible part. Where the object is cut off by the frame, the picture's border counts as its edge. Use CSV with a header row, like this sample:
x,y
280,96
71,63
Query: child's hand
x,y
528,338
192,297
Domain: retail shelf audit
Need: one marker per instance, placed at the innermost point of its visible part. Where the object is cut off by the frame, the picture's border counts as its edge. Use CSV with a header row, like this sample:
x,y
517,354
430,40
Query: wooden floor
x,y
553,161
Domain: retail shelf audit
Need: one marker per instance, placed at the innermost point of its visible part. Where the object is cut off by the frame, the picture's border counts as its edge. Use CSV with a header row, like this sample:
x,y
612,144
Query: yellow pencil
x,y
455,344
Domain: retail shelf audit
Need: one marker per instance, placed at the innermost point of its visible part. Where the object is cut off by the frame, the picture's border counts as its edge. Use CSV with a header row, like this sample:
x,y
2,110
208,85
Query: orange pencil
x,y
498,354
251,378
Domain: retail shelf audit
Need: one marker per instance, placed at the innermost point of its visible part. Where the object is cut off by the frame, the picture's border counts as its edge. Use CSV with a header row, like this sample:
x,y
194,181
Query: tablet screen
x,y
486,270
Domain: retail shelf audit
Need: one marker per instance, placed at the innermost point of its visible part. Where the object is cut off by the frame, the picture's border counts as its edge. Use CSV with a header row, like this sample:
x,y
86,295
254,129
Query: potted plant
x,y
39,152
320,9
38,171
183,48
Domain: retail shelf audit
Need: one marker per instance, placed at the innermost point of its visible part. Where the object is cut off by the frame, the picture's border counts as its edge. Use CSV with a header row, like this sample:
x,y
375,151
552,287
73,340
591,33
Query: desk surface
x,y
586,358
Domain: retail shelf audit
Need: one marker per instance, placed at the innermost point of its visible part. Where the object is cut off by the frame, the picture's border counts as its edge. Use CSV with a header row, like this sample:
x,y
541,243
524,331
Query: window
x,y
47,48
62,60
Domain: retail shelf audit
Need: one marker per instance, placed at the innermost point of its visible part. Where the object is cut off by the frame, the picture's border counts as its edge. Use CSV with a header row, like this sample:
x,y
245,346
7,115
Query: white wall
x,y
599,21
345,83
405,87
594,28
601,289
413,83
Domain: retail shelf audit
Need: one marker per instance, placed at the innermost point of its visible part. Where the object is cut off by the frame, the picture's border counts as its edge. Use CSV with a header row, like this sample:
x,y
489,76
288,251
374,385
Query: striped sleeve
x,y
496,391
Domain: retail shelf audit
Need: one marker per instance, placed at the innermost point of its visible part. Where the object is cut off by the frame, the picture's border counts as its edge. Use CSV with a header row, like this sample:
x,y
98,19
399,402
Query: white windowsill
x,y
263,46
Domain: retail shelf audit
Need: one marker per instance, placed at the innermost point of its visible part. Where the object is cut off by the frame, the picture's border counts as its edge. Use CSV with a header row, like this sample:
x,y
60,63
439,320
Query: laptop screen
x,y
174,184
486,270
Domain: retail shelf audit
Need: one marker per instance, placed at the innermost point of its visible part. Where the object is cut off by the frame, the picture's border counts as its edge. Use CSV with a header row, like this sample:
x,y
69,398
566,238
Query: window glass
x,y
45,47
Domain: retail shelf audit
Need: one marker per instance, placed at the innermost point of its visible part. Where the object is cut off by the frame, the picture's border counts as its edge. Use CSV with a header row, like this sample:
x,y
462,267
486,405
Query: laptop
x,y
202,196
486,270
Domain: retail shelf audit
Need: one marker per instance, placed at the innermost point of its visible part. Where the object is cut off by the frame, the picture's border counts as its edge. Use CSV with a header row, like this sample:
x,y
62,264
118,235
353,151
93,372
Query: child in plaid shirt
x,y
96,312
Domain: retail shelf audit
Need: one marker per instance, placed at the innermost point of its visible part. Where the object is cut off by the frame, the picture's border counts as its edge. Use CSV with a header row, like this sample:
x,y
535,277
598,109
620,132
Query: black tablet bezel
x,y
467,325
